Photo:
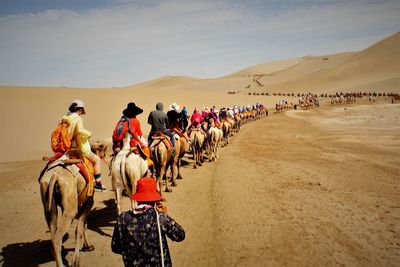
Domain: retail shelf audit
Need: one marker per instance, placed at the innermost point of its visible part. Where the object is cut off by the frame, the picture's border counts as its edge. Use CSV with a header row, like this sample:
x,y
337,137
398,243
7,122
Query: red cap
x,y
146,190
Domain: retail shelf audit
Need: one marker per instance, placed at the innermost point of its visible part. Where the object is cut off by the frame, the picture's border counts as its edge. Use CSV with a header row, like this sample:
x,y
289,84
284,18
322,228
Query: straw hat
x,y
174,106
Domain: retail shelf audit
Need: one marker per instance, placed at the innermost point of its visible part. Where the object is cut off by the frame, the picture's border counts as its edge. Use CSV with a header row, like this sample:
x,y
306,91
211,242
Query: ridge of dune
x,y
265,68
380,61
308,65
165,81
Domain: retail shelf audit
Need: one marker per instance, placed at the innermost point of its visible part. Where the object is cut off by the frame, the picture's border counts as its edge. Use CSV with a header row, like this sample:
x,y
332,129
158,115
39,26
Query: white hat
x,y
174,106
79,104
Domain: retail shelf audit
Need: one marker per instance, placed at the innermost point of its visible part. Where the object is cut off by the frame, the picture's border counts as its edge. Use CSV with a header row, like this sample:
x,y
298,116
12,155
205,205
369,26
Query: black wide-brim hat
x,y
132,110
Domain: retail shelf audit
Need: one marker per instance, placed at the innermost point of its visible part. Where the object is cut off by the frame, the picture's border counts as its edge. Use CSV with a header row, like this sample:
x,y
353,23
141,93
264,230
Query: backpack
x,y
60,139
120,129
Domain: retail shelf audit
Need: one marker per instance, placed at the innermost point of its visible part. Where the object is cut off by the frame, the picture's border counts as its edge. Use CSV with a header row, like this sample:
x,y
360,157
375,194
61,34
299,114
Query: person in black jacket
x,y
158,120
137,232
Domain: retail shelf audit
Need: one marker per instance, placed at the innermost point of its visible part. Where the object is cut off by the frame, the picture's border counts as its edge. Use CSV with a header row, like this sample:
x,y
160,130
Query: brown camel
x,y
197,137
238,122
64,191
214,138
161,156
181,147
226,129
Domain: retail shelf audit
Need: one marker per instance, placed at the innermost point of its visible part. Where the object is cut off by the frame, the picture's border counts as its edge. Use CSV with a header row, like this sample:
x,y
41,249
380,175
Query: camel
x,y
215,137
99,148
226,129
231,121
126,168
238,122
161,155
181,147
64,191
197,138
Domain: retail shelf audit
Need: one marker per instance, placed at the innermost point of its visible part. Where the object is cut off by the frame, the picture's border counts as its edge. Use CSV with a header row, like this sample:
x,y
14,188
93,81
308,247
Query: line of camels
x,y
322,95
66,195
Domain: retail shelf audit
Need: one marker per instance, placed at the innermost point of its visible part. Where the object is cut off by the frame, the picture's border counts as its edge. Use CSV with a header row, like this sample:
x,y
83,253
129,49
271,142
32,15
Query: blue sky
x,y
105,43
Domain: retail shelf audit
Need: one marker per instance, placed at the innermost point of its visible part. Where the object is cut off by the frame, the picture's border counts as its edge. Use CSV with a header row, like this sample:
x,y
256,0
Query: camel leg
x,y
178,164
63,225
80,231
86,245
118,198
174,173
160,178
167,188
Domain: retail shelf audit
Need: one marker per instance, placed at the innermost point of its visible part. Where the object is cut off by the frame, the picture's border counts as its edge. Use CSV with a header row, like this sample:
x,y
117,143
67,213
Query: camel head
x,y
99,149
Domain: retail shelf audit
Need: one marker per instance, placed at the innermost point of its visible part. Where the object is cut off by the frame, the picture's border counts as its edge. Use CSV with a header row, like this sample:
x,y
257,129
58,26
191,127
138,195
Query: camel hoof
x,y
194,167
88,248
179,177
168,190
174,184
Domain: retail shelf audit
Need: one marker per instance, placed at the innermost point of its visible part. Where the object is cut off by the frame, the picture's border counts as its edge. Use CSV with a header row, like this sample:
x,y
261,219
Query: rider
x,y
129,115
175,120
80,139
185,118
222,114
196,118
158,120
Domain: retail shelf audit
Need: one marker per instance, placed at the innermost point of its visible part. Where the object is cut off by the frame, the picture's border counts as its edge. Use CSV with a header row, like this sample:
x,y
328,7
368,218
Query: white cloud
x,y
132,42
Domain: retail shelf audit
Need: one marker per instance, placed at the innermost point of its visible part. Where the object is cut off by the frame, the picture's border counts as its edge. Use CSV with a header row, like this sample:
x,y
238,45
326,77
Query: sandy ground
x,y
299,188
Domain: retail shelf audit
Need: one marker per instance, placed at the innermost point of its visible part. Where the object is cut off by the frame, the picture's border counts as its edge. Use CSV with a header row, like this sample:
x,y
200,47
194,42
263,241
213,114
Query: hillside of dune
x,y
377,65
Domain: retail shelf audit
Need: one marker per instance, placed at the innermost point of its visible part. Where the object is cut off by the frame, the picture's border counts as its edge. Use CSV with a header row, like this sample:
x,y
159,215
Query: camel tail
x,y
156,154
123,173
51,199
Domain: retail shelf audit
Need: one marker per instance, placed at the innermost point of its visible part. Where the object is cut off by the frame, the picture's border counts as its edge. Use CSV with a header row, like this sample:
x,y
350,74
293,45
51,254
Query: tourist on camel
x,y
230,113
222,114
158,120
214,114
185,119
129,123
205,112
175,121
80,139
196,119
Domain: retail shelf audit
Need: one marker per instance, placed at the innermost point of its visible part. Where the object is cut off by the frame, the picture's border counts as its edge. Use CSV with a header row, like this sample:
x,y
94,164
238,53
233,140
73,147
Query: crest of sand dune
x,y
267,68
378,64
31,113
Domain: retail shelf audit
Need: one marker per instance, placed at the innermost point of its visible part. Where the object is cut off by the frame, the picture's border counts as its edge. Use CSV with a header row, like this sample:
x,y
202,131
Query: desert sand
x,y
299,188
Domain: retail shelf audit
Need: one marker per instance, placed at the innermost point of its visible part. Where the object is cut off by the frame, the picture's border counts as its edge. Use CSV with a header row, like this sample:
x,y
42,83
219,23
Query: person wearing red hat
x,y
140,234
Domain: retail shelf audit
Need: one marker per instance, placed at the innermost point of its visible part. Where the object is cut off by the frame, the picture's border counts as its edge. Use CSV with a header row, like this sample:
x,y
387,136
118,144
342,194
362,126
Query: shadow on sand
x,y
28,254
104,217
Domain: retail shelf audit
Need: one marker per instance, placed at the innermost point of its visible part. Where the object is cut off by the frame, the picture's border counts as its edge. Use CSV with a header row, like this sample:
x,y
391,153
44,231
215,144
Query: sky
x,y
116,43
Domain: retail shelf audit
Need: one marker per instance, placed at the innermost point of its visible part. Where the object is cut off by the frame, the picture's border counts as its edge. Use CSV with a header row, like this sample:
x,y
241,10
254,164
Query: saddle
x,y
75,165
160,137
177,131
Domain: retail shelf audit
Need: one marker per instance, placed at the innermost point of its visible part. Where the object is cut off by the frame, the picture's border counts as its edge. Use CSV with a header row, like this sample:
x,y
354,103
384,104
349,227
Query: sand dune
x,y
267,68
299,188
31,113
380,61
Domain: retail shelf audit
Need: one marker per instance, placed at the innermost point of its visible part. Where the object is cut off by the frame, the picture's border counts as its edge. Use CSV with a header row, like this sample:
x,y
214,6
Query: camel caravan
x,y
72,175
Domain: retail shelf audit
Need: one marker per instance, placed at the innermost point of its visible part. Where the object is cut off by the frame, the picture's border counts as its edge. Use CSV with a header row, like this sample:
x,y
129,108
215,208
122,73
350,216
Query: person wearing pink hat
x,y
140,234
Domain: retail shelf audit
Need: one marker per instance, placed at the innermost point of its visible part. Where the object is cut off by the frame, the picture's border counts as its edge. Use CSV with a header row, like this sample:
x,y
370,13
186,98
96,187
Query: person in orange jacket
x,y
129,116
